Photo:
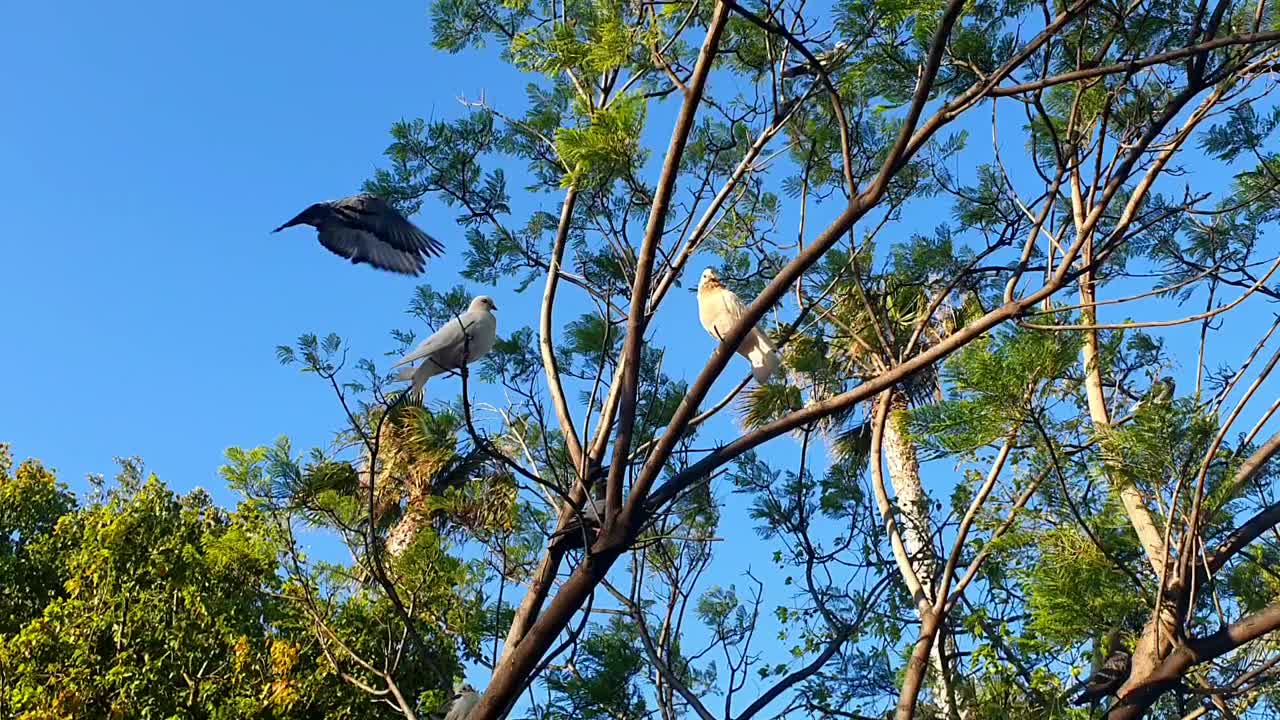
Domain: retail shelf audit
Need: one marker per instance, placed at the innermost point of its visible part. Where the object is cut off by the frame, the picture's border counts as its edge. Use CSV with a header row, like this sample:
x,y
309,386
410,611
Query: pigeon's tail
x,y
417,391
764,358
764,363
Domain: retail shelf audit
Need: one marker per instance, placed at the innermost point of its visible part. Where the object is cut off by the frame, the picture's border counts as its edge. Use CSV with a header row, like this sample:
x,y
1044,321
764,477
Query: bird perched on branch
x,y
719,309
1161,393
365,229
829,60
464,701
463,340
585,525
1106,680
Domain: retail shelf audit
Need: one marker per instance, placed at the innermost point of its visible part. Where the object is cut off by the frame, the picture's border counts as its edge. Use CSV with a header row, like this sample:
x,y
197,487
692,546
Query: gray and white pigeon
x,y
365,229
719,309
464,701
462,341
1107,679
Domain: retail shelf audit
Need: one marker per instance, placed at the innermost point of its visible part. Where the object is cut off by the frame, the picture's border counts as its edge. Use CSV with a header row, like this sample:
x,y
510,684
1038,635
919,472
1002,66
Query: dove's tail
x,y
764,358
417,391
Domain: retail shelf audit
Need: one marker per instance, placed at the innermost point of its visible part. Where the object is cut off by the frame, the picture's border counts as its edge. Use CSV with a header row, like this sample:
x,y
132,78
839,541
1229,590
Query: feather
x,y
719,309
1107,679
461,341
365,229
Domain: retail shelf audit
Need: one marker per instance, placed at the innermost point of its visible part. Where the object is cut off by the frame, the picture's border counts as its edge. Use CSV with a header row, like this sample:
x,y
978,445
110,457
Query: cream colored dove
x,y
465,699
719,309
461,341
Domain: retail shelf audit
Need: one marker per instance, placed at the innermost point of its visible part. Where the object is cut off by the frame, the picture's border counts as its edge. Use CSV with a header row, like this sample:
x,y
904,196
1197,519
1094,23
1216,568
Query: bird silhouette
x,y
365,229
1107,679
582,530
828,59
1161,393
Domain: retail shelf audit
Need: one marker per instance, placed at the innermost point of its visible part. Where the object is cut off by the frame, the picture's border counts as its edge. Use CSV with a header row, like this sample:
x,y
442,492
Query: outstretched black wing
x,y
372,213
360,246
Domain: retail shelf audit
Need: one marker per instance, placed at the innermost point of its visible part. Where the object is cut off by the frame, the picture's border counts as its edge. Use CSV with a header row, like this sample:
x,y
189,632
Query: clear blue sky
x,y
149,148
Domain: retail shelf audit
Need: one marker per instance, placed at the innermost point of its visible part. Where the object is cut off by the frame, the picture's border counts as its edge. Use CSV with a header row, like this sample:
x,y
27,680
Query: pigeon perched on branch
x,y
463,340
1161,393
365,229
719,309
1106,680
829,60
464,701
582,530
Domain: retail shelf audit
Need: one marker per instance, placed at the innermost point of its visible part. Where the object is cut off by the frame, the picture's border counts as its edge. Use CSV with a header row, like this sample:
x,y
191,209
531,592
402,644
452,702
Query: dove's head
x,y
463,689
709,278
482,302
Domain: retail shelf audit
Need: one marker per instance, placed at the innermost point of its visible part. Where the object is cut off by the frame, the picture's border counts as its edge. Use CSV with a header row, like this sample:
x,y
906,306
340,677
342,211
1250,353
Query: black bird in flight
x,y
365,229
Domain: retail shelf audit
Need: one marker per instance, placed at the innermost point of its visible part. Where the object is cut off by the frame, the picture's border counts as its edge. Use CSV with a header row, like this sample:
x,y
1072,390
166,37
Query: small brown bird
x,y
719,309
365,229
1107,679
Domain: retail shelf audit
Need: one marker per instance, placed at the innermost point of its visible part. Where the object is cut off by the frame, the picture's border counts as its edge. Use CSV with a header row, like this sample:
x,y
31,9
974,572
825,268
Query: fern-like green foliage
x,y
989,382
1074,589
1162,443
606,146
606,682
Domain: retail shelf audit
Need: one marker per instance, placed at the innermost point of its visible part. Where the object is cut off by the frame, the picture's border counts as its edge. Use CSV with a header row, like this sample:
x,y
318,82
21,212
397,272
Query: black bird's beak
x,y
298,219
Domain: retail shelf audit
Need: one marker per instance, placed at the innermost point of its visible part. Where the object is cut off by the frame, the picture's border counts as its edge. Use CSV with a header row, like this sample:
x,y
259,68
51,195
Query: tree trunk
x,y
914,506
404,532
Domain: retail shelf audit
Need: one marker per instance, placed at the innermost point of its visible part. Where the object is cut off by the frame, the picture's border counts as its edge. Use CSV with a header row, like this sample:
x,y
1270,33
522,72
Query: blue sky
x,y
150,147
